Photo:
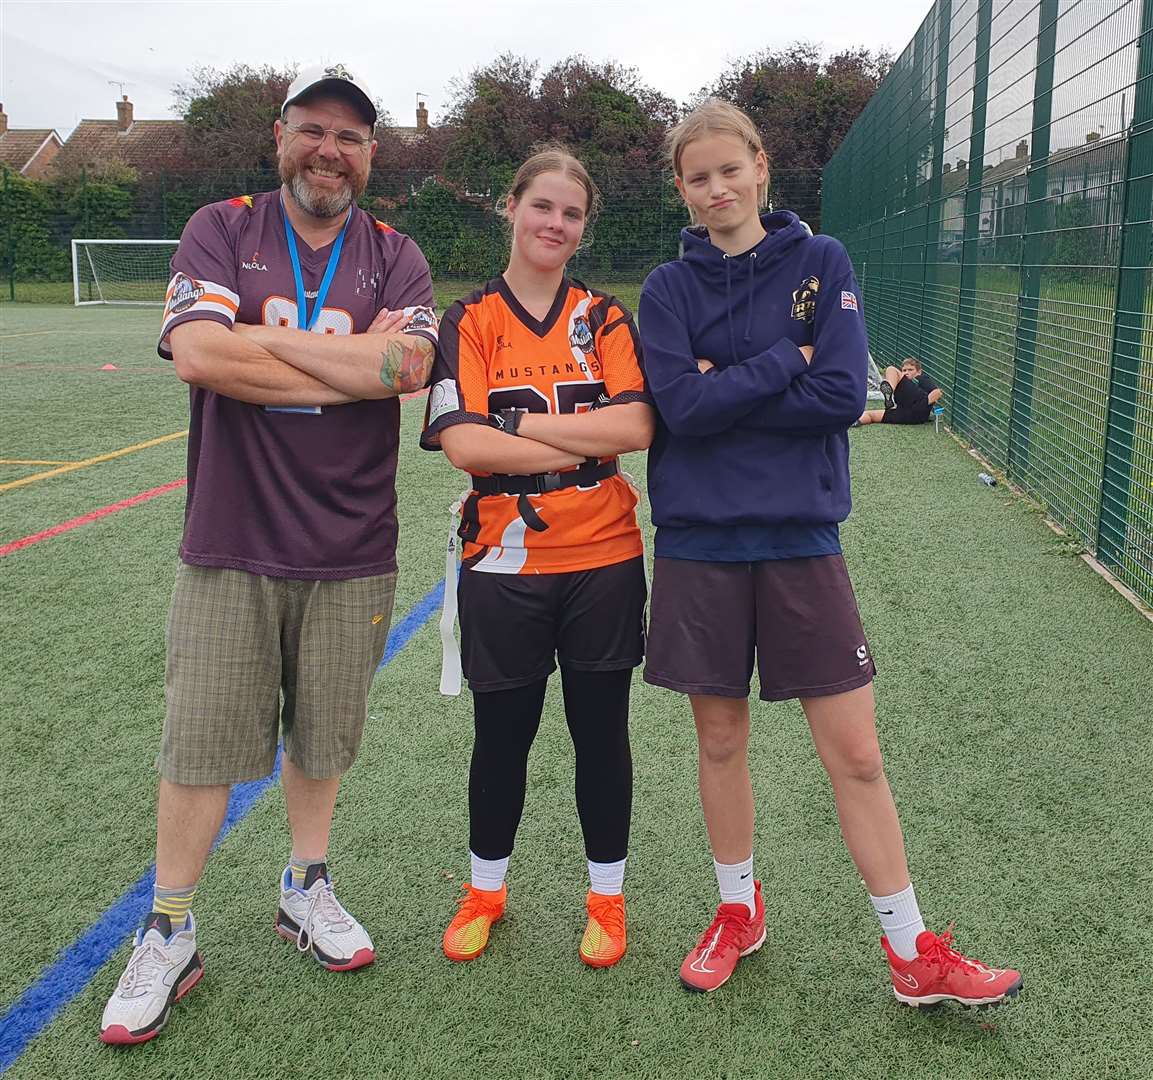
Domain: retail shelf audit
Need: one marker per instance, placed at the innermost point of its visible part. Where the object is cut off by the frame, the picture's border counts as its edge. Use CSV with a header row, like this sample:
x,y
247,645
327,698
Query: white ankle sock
x,y
736,883
901,920
488,874
607,878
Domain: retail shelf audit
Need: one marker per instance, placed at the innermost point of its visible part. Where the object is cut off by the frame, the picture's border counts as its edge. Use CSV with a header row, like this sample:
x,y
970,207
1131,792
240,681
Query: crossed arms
x,y
546,442
273,365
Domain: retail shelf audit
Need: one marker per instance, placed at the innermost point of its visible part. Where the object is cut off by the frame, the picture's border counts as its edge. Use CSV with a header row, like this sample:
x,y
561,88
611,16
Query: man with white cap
x,y
296,319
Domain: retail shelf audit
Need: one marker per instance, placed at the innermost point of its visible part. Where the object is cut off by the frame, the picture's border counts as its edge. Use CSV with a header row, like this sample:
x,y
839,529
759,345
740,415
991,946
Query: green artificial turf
x,y
1014,716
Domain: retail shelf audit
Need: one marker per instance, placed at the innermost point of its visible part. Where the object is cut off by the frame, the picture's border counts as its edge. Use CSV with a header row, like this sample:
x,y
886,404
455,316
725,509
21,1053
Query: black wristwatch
x,y
506,420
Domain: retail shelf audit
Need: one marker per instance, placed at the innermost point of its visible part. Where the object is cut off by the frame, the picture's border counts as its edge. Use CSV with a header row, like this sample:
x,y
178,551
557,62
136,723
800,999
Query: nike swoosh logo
x,y
884,913
699,963
908,980
744,876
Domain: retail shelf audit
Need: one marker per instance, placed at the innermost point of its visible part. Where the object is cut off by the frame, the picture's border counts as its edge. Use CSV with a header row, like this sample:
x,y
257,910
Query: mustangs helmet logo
x,y
185,292
805,300
581,336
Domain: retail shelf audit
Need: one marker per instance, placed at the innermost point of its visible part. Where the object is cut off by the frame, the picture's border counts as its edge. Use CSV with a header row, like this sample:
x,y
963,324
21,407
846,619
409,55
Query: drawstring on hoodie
x,y
749,317
728,261
783,232
729,306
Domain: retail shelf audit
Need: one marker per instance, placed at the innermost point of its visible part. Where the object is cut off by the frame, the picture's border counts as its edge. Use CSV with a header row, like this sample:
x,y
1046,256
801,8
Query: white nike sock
x,y
607,878
901,920
488,874
736,883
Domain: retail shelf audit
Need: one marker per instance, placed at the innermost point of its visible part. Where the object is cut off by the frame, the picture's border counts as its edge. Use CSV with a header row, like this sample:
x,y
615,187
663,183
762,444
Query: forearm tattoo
x,y
405,363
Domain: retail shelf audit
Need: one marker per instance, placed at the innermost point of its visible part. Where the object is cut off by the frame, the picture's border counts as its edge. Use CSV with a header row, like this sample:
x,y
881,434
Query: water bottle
x,y
987,480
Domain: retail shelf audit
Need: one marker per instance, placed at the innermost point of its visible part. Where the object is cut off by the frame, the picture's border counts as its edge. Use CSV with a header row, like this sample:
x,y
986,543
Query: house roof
x,y
18,146
146,146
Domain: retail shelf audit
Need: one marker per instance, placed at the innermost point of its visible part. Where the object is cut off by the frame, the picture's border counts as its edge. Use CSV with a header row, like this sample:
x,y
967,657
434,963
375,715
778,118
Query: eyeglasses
x,y
313,135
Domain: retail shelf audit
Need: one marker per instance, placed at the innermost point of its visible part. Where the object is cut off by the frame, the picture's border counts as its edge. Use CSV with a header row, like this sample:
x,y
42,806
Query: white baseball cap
x,y
334,75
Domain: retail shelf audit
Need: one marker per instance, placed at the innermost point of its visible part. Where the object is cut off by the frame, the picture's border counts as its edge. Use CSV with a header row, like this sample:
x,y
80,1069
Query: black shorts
x,y
797,616
513,627
910,404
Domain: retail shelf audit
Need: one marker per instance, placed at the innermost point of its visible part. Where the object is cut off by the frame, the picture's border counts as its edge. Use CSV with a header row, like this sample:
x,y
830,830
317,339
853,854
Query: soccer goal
x,y
121,271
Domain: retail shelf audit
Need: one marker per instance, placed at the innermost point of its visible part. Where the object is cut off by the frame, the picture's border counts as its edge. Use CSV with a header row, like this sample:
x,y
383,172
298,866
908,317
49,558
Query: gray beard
x,y
320,204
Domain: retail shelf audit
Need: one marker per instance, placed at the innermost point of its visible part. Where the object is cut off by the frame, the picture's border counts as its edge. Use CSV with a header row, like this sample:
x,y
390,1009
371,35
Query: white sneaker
x,y
317,921
161,970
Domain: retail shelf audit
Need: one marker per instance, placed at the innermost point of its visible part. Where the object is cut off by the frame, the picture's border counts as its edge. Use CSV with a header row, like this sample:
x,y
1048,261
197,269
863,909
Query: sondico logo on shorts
x,y
862,655
442,399
185,292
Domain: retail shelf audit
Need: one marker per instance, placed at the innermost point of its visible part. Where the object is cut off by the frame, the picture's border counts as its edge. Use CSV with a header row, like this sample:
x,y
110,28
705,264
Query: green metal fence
x,y
996,196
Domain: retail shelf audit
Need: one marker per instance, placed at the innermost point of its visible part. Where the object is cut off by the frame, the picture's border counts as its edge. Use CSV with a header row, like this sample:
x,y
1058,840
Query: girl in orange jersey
x,y
537,388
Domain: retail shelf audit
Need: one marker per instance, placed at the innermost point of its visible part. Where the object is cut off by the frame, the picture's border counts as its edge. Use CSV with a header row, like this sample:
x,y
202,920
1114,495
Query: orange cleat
x,y
604,941
467,934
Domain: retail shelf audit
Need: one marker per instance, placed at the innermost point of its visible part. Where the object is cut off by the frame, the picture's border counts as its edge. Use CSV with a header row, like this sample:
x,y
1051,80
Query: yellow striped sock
x,y
175,903
299,868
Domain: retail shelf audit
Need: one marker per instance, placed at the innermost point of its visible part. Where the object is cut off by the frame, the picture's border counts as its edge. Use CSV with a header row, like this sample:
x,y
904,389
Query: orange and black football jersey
x,y
494,355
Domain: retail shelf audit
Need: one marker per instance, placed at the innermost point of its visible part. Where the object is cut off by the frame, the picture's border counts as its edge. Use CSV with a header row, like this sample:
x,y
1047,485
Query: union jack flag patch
x,y
849,300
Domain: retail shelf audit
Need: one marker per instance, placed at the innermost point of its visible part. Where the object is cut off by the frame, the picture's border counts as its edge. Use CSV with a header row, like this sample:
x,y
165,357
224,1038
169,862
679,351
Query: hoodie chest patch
x,y
805,300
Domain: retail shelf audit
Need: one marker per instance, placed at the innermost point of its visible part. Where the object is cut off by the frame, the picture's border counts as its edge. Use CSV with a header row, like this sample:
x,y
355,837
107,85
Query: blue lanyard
x,y
302,315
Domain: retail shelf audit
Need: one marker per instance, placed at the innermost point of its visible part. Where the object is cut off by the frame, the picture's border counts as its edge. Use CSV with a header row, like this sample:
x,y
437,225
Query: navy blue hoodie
x,y
751,461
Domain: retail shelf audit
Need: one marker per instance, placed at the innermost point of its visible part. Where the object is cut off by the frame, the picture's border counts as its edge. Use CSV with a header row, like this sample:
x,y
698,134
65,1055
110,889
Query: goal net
x,y
121,271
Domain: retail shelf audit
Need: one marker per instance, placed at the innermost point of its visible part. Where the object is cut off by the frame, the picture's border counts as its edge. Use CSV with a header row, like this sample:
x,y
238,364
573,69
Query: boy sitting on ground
x,y
909,396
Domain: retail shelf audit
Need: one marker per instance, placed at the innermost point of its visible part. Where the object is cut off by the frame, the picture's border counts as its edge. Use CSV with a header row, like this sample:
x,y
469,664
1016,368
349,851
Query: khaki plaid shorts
x,y
250,657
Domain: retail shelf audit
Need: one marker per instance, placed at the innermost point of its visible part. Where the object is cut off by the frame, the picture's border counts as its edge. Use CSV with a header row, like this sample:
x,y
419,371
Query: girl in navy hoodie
x,y
756,355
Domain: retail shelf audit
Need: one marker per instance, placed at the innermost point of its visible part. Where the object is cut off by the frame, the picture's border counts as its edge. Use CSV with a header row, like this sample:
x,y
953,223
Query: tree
x,y
101,201
229,116
495,117
803,106
30,251
603,112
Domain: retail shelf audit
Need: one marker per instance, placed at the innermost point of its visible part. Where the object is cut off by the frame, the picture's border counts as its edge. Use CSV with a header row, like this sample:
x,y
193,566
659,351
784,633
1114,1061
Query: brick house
x,y
28,151
146,146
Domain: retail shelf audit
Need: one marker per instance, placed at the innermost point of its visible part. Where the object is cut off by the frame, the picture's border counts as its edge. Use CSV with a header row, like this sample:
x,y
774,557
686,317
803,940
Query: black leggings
x,y
597,710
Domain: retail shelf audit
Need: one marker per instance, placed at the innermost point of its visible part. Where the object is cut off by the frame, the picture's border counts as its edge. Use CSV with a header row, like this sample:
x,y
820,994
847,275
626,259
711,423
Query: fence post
x,y
10,243
932,297
1118,493
84,203
1032,245
970,246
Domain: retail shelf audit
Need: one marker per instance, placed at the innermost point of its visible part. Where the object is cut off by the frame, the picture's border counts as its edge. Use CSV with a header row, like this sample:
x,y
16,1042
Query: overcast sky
x,y
59,58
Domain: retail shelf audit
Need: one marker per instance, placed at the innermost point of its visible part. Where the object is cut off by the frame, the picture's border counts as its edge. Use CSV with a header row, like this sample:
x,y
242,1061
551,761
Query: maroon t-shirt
x,y
296,494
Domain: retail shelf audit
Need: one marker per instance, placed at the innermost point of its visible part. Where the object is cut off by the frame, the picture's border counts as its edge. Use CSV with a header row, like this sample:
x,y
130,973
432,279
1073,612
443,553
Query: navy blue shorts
x,y
796,618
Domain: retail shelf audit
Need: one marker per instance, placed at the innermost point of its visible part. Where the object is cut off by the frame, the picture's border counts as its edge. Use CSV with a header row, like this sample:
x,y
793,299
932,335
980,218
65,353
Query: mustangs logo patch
x,y
805,300
581,335
420,318
185,292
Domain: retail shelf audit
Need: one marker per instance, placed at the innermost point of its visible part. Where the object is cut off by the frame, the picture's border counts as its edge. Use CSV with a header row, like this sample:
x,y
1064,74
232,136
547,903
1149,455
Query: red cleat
x,y
940,973
731,935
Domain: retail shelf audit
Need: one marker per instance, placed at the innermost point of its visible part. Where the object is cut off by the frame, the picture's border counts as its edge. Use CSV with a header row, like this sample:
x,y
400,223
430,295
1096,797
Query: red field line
x,y
86,519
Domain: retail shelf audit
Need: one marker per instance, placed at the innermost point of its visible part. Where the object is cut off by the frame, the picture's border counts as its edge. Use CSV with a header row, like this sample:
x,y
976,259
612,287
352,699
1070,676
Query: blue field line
x,y
77,963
